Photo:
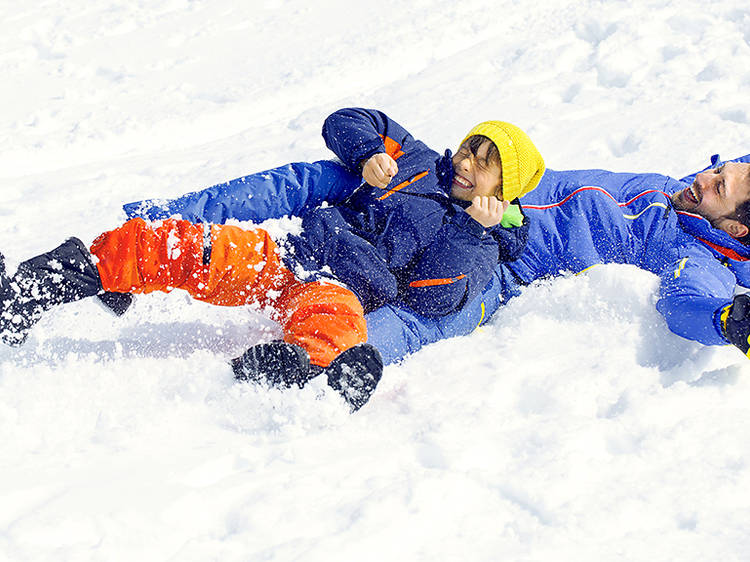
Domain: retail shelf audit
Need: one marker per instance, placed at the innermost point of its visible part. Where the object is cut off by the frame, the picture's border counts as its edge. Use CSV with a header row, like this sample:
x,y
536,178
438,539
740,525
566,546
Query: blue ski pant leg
x,y
287,190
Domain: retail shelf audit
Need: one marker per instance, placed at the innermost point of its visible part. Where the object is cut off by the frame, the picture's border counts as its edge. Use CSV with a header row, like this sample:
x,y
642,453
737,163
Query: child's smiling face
x,y
475,174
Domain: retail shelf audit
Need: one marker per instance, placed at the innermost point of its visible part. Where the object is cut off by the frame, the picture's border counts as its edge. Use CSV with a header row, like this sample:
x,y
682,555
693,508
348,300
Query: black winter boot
x,y
6,290
355,373
116,303
4,281
276,363
65,274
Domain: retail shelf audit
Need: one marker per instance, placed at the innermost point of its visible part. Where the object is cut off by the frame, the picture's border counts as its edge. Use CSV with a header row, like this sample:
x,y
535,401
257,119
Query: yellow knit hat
x,y
522,164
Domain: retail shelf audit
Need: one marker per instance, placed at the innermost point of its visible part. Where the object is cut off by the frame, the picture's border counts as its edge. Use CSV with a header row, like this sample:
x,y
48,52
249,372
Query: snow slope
x,y
574,426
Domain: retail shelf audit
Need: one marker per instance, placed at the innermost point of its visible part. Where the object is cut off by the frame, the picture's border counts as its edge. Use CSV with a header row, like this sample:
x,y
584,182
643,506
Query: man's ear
x,y
734,228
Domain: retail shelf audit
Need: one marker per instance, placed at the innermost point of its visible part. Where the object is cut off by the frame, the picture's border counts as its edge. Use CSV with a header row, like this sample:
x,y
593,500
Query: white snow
x,y
574,426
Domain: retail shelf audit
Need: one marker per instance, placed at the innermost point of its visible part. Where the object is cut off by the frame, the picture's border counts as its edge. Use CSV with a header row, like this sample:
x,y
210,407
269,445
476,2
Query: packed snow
x,y
574,426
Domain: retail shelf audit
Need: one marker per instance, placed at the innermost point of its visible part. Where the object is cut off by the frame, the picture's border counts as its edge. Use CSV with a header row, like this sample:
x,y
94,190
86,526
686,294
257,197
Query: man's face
x,y
715,194
475,175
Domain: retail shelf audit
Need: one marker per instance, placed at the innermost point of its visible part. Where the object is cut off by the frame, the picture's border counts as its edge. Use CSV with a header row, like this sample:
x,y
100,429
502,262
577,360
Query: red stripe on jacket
x,y
731,254
593,188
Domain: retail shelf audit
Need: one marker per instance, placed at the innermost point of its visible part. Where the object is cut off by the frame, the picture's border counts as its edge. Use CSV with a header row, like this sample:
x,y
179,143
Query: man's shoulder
x,y
715,249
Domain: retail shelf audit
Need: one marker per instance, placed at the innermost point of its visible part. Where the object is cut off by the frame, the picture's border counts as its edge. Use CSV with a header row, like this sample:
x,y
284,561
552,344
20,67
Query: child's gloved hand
x,y
487,211
735,322
379,169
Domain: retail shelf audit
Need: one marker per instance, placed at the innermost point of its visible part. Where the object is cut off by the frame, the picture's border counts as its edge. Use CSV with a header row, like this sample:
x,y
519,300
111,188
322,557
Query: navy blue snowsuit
x,y
408,245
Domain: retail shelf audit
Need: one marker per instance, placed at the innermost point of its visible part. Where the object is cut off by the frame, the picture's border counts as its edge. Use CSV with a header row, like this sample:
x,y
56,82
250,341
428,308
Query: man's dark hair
x,y
742,214
493,154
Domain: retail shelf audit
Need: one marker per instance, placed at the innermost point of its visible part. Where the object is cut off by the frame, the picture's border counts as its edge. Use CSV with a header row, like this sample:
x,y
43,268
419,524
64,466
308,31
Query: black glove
x,y
735,322
277,363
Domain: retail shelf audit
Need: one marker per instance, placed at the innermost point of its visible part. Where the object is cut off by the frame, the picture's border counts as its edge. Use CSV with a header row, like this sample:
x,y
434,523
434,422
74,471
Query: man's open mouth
x,y
692,195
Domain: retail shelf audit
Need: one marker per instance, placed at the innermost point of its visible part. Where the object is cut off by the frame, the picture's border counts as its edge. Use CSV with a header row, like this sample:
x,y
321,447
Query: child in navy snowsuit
x,y
422,229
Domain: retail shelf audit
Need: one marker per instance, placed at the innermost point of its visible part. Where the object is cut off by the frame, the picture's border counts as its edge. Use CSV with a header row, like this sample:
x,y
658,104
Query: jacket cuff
x,y
720,320
364,152
464,221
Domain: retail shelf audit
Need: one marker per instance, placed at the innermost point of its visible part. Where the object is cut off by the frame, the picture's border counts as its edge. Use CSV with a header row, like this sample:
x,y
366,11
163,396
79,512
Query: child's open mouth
x,y
462,182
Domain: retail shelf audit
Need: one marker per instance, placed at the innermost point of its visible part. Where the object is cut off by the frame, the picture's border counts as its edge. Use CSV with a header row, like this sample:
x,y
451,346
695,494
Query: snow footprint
x,y
735,115
622,145
431,455
710,73
570,93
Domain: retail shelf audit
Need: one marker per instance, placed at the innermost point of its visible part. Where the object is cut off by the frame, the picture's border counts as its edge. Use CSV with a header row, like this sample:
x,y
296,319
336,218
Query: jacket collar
x,y
717,240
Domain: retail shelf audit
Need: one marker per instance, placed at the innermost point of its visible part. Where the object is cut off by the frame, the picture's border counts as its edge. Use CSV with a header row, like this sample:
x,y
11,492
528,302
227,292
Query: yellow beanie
x,y
522,164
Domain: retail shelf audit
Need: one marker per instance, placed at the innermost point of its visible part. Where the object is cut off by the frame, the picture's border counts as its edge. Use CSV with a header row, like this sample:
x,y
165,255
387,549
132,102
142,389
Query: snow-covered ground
x,y
574,426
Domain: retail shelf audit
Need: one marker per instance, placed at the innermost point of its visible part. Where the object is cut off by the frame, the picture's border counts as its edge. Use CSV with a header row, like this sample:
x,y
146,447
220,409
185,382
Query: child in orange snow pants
x,y
229,266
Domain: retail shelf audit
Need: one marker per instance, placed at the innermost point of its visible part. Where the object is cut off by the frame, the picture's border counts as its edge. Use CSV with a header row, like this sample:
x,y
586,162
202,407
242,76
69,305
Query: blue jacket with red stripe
x,y
583,218
410,243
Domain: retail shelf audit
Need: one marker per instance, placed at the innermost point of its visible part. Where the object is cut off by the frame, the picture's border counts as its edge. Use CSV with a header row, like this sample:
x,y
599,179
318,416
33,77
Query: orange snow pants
x,y
243,268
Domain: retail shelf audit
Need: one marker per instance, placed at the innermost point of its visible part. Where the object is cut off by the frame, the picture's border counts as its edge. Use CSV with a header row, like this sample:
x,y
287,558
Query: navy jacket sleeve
x,y
287,190
355,134
511,241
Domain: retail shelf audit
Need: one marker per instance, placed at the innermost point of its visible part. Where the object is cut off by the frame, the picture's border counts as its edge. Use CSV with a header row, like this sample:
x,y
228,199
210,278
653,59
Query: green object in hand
x,y
512,217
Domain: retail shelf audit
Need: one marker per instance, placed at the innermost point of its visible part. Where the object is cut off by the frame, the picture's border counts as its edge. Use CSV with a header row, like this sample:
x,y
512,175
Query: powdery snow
x,y
574,426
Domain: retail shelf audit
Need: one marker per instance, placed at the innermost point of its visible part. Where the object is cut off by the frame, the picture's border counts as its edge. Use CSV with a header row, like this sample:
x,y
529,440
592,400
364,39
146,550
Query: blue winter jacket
x,y
409,244
580,219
